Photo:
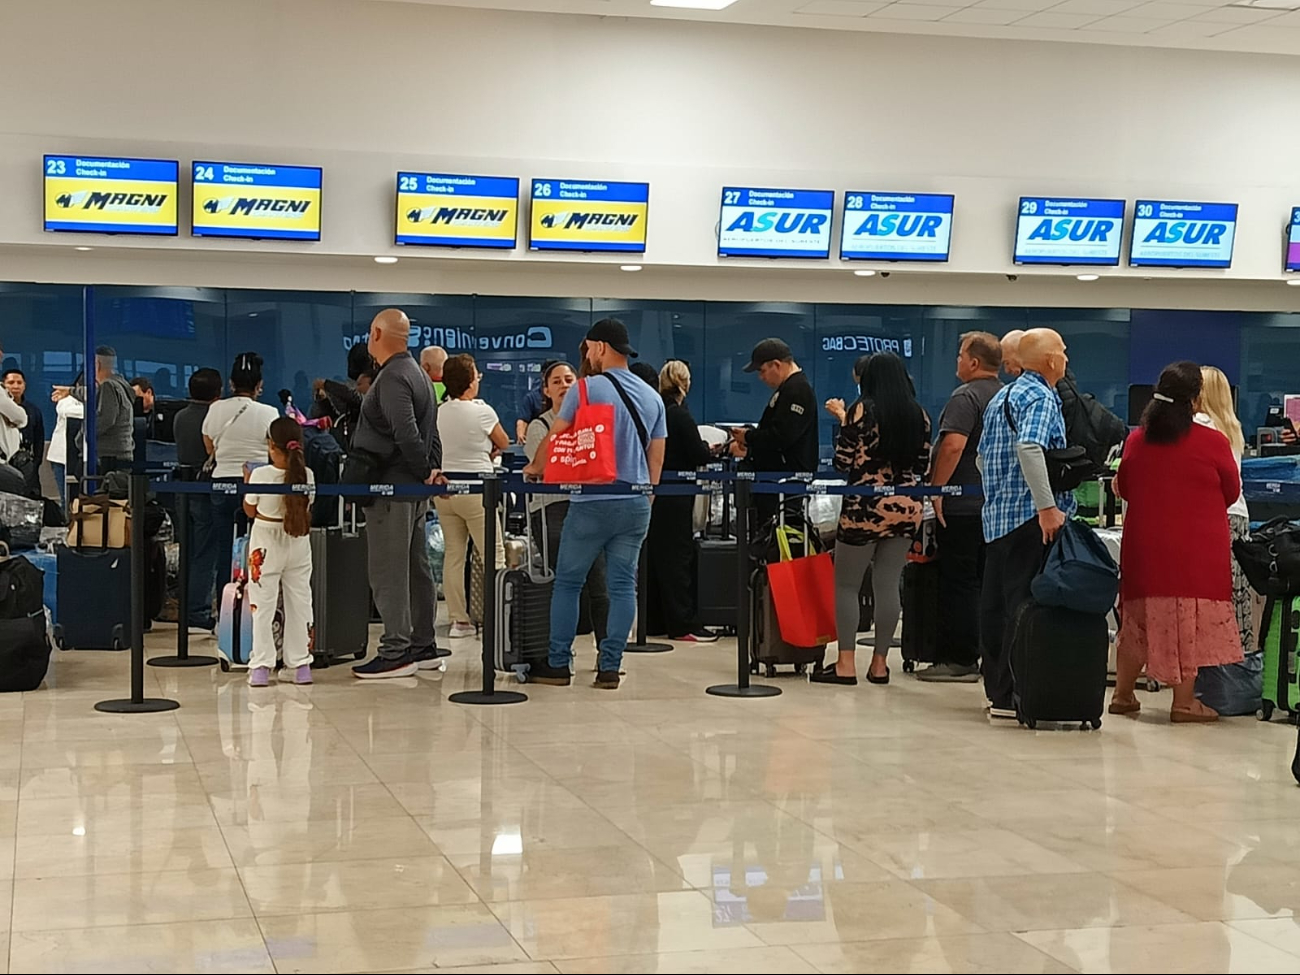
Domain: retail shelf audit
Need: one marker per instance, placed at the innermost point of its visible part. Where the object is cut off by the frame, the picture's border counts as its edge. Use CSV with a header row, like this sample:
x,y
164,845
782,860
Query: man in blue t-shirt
x,y
613,524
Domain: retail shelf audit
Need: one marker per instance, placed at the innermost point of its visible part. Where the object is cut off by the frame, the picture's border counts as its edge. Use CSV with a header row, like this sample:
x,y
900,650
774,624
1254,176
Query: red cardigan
x,y
1176,539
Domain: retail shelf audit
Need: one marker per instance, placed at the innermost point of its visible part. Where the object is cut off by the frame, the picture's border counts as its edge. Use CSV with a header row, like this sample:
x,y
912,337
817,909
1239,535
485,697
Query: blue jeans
x,y
203,552
60,472
616,527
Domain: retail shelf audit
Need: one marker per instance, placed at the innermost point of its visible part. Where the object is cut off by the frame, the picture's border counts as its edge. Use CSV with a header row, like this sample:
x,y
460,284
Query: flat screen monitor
x,y
765,222
110,195
1069,230
443,210
1179,234
896,226
256,201
1293,241
588,215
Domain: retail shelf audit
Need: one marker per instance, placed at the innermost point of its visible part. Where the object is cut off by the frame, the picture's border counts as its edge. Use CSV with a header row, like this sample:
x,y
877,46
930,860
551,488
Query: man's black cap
x,y
614,334
766,351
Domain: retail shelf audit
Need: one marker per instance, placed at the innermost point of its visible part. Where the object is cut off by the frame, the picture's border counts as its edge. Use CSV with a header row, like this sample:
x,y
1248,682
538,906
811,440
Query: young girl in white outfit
x,y
279,558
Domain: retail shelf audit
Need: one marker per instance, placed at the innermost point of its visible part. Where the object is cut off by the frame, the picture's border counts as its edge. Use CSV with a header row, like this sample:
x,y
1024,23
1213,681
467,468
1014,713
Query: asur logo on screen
x,y
246,206
115,202
1072,228
589,221
778,222
458,216
1203,232
899,225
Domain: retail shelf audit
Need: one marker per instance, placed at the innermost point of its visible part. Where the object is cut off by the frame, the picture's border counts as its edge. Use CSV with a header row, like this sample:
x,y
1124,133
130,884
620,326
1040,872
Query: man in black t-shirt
x,y
960,532
786,438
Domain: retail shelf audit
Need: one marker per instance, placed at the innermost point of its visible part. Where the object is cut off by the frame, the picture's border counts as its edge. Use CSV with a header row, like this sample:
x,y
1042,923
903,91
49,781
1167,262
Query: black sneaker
x,y
700,635
377,668
606,680
828,675
544,673
426,658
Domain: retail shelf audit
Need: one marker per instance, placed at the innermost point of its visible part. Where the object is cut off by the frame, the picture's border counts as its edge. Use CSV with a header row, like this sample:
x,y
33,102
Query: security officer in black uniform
x,y
786,438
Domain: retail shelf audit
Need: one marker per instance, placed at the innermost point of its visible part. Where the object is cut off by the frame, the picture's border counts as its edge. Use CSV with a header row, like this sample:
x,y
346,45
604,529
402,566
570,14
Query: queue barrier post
x,y
183,658
489,693
744,605
640,645
137,703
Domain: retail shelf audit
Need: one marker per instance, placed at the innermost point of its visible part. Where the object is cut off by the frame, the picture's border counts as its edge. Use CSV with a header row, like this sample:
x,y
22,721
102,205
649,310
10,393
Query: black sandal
x,y
827,675
873,679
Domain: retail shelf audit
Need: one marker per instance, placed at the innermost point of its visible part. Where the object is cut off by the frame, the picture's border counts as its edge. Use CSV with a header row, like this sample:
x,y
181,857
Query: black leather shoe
x,y
827,675
873,679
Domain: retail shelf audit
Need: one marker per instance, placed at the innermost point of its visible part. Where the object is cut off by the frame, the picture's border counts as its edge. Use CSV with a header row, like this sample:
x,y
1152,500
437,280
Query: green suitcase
x,y
1277,639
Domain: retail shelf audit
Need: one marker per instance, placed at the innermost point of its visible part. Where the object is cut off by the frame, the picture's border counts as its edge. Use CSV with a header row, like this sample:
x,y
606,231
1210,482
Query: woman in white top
x,y
234,431
471,437
1214,409
68,407
593,604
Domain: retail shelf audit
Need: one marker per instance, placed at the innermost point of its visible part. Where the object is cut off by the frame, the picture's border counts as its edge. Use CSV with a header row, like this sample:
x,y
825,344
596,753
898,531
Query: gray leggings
x,y
886,558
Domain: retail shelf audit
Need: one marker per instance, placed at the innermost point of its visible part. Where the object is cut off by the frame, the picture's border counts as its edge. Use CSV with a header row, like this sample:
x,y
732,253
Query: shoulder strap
x,y
1006,411
631,408
229,423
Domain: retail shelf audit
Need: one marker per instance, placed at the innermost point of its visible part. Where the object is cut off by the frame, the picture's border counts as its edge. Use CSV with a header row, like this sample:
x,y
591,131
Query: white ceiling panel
x,y
1227,25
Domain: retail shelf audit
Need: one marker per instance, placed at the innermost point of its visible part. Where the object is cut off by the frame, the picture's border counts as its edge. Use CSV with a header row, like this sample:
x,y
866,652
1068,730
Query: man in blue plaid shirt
x,y
1021,515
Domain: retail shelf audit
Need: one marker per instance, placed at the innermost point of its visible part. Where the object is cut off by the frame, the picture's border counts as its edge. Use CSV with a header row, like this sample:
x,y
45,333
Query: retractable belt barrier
x,y
491,487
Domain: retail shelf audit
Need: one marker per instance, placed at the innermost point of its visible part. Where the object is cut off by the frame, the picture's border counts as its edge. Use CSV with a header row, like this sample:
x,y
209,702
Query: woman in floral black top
x,y
884,441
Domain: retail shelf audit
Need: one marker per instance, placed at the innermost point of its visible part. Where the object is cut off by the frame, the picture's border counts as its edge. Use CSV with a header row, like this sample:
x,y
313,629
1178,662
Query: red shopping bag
x,y
584,453
803,594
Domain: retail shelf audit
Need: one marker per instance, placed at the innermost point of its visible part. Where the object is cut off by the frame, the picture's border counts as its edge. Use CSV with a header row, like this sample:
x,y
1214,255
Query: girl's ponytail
x,y
286,434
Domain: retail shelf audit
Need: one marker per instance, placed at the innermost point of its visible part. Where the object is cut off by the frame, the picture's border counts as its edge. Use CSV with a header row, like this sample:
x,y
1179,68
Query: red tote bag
x,y
803,594
584,453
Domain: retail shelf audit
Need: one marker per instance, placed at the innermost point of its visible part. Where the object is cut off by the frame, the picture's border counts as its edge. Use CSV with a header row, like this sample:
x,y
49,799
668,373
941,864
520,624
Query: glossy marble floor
x,y
365,827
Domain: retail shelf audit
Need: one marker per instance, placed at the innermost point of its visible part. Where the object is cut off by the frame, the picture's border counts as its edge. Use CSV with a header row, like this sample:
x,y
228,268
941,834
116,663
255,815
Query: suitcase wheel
x,y
520,675
770,670
59,642
909,666
1030,723
119,637
1096,724
1153,685
801,669
359,655
225,665
1265,712
753,666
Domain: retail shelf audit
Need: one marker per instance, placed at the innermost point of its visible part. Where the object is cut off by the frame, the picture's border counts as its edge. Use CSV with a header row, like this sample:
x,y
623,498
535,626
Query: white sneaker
x,y
459,630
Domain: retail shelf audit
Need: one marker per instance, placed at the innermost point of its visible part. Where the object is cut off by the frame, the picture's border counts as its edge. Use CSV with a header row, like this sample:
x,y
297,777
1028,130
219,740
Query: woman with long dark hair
x,y
1178,478
884,442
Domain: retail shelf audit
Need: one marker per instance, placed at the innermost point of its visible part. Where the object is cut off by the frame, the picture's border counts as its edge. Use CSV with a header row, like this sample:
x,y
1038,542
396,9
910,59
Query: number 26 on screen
x,y
542,189
203,174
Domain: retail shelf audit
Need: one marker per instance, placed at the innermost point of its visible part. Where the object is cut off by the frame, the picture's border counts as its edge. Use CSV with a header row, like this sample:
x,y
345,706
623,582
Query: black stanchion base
x,y
648,647
496,697
128,706
193,660
735,690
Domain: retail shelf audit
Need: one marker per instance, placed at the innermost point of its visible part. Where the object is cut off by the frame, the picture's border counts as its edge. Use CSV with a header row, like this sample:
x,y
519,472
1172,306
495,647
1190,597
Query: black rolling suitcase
x,y
340,591
920,614
95,596
523,608
769,650
715,572
1058,661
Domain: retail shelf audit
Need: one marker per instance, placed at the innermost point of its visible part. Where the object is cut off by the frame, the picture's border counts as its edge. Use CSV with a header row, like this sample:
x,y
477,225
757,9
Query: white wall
x,y
364,88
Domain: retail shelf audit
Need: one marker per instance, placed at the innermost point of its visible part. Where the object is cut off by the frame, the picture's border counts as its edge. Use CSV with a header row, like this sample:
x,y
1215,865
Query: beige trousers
x,y
462,518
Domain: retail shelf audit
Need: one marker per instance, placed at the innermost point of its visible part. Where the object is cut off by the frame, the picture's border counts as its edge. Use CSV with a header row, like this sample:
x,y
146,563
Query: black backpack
x,y
1088,424
22,589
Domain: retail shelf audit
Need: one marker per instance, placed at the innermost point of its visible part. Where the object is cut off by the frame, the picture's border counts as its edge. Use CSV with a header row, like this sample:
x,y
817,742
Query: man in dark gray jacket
x,y
399,430
114,412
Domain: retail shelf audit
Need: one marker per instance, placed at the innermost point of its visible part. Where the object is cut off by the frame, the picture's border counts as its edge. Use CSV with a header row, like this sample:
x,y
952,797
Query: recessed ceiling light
x,y
629,267
83,247
865,273
694,4
1088,277
1294,282
385,260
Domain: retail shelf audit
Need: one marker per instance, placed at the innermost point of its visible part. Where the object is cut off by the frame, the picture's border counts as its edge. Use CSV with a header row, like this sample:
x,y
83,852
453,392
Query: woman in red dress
x,y
1178,478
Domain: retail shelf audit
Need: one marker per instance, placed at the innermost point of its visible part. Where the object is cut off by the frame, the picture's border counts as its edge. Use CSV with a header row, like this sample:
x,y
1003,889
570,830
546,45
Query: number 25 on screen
x,y
203,174
55,167
407,184
542,189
